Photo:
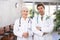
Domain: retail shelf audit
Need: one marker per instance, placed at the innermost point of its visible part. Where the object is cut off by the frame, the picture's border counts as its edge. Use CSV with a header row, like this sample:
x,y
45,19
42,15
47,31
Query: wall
x,y
8,12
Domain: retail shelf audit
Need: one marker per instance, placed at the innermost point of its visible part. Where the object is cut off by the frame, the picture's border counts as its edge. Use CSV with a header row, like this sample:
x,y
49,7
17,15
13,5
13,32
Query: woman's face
x,y
25,12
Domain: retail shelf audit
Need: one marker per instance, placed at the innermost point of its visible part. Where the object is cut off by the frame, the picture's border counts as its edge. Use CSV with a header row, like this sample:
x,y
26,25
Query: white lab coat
x,y
25,27
46,25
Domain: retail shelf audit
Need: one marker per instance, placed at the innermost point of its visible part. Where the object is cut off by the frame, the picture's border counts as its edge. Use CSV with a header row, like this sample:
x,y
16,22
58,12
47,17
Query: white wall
x,y
8,12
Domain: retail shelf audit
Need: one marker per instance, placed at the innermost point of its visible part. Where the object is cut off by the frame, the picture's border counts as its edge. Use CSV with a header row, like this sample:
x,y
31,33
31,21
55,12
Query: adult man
x,y
42,24
22,26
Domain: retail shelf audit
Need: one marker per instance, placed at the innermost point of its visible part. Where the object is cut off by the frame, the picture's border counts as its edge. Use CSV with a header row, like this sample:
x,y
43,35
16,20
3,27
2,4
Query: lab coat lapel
x,y
41,23
24,24
39,18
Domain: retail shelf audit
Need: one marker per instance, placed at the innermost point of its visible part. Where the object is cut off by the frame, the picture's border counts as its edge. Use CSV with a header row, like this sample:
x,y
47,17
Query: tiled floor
x,y
55,36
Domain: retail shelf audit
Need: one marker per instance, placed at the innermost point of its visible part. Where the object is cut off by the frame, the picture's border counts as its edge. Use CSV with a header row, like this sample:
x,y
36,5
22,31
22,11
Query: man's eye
x,y
41,8
38,9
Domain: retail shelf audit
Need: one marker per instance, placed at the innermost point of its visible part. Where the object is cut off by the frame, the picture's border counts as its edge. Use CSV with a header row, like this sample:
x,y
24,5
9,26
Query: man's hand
x,y
25,35
38,28
45,33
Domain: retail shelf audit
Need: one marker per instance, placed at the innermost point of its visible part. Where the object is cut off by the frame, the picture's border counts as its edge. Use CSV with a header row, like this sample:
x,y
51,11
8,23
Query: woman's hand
x,y
25,35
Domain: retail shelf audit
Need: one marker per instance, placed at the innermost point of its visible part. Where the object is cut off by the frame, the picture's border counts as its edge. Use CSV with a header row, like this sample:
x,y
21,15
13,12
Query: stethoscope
x,y
29,21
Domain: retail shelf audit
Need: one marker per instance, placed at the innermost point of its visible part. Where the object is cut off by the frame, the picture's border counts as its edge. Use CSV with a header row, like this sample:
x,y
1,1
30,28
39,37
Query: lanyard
x,y
20,22
37,19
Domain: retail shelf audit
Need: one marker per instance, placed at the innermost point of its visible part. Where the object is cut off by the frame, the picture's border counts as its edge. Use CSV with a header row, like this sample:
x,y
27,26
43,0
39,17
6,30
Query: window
x,y
50,8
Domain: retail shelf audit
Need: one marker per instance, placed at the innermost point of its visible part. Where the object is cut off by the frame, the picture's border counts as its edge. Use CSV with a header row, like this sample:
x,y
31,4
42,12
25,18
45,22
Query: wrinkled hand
x,y
25,35
38,28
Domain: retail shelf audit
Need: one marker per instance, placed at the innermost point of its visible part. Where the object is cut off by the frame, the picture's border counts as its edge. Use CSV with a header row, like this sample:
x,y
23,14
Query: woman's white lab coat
x,y
46,26
24,27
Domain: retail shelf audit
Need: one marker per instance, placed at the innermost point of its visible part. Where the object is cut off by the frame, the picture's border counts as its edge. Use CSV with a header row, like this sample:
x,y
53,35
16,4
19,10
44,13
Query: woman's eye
x,y
26,11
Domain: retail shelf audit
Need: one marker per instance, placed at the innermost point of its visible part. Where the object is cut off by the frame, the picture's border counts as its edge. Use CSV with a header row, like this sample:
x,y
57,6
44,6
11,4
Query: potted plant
x,y
57,21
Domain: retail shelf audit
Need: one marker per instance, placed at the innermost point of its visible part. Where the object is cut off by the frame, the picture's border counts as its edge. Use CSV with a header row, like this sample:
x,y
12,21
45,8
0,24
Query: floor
x,y
56,36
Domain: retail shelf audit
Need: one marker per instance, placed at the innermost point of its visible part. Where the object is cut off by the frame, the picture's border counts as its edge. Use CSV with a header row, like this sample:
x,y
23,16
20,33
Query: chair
x,y
7,29
1,32
11,36
5,38
11,26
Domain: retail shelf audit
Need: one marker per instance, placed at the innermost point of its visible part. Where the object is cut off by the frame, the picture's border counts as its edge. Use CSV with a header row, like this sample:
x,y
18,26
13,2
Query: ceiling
x,y
41,0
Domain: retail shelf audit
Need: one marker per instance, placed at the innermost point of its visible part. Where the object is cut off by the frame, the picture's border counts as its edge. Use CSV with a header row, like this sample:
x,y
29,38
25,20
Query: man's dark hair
x,y
41,4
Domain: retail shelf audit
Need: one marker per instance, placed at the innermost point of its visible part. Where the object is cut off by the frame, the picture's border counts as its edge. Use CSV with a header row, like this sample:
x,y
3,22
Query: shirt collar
x,y
43,15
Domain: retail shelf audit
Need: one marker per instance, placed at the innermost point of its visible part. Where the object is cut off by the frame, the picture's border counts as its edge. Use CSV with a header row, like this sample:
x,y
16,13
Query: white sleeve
x,y
16,29
35,31
49,26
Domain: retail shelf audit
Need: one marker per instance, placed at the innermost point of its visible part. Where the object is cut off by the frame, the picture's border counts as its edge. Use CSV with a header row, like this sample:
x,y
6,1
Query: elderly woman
x,y
22,26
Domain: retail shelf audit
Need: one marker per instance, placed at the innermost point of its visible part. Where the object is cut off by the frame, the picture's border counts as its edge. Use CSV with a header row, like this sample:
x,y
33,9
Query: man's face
x,y
40,9
24,12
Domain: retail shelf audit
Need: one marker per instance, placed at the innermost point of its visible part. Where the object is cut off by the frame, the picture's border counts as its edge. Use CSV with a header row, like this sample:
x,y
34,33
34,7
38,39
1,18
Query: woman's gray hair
x,y
24,8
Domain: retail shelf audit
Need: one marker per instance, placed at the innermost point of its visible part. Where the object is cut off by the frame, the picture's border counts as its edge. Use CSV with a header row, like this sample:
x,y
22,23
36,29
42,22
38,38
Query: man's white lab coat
x,y
46,26
24,27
